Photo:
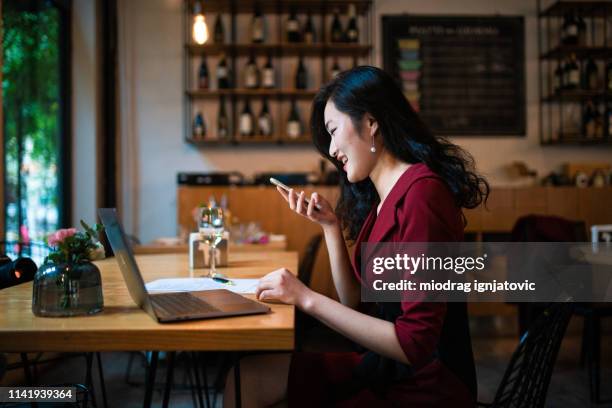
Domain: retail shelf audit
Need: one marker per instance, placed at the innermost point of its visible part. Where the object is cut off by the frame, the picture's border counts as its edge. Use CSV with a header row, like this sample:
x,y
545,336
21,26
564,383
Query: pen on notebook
x,y
222,280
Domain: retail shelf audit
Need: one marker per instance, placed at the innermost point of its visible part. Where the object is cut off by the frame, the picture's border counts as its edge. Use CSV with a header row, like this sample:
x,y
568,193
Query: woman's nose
x,y
332,149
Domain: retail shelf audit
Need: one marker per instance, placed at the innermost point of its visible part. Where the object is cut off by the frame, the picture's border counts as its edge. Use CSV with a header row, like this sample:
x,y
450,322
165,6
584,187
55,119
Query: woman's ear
x,y
372,124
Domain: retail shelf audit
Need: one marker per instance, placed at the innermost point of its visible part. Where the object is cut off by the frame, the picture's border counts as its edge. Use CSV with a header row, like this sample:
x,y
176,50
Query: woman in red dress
x,y
399,183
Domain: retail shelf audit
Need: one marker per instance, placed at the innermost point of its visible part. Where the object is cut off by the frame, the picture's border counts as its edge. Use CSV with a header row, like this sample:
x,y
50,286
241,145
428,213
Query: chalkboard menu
x,y
465,75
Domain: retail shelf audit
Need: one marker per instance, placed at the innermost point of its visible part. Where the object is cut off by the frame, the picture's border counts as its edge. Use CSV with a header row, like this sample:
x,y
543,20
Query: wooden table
x,y
124,326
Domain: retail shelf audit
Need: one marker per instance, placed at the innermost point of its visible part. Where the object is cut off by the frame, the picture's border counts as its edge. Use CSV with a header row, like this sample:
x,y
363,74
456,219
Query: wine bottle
x,y
203,74
219,35
251,79
570,26
199,127
301,75
608,122
246,119
589,75
609,76
264,121
268,75
223,81
293,27
588,120
598,119
223,131
335,70
558,79
309,32
572,73
258,26
352,32
581,40
294,125
336,28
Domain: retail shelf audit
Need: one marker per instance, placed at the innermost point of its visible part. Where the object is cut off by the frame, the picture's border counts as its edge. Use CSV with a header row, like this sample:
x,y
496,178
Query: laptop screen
x,y
124,255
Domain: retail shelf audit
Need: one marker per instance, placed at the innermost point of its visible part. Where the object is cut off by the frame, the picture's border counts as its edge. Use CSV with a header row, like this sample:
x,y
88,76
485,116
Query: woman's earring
x,y
373,148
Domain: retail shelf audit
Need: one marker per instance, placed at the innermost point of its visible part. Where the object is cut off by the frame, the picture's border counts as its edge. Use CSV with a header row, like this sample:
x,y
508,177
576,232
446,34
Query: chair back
x,y
308,261
526,380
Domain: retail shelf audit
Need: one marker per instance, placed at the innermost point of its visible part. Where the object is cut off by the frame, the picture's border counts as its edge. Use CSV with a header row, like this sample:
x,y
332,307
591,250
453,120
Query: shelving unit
x,y
318,58
561,111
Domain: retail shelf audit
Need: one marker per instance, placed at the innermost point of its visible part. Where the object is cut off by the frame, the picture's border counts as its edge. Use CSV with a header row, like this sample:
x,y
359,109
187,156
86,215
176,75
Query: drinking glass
x,y
211,231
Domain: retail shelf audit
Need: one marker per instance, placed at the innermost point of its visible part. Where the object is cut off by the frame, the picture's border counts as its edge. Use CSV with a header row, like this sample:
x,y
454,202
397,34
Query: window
x,y
36,128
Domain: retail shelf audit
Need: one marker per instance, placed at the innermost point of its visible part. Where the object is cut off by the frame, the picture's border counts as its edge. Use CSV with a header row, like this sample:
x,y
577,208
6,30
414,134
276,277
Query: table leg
x,y
169,374
150,382
238,397
102,383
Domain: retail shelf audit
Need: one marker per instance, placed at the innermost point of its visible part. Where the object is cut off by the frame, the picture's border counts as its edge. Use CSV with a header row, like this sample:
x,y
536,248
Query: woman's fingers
x,y
300,203
311,205
291,197
283,192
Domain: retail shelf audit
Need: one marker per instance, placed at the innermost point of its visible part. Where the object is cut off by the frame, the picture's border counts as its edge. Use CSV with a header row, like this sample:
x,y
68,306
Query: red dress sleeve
x,y
428,214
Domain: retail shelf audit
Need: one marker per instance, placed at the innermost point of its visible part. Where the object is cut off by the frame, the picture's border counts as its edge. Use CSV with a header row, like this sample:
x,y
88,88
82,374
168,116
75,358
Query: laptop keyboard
x,y
180,304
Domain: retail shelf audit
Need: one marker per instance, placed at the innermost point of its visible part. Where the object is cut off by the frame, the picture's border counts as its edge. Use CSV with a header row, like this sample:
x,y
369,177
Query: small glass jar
x,y
66,289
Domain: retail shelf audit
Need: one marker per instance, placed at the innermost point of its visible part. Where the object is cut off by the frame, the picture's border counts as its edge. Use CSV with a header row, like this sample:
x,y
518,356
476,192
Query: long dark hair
x,y
370,89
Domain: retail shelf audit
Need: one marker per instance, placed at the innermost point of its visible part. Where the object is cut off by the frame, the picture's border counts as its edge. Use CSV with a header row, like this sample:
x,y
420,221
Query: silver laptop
x,y
171,307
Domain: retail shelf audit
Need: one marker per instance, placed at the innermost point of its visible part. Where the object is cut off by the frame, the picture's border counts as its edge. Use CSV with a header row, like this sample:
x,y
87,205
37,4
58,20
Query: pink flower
x,y
60,235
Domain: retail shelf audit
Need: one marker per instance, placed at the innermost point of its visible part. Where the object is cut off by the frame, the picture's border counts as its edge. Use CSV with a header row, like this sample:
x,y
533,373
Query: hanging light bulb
x,y
200,30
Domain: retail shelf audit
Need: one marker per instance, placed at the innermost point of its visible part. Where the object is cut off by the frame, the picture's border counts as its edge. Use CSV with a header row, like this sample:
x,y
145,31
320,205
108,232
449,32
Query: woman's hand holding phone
x,y
323,214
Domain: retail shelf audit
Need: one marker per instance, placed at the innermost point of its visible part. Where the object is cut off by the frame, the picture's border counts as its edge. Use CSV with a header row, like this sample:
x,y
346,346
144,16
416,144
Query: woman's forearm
x,y
345,282
372,333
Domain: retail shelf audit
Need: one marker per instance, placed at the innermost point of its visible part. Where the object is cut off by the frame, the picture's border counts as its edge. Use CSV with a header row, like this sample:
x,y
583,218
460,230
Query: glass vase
x,y
66,289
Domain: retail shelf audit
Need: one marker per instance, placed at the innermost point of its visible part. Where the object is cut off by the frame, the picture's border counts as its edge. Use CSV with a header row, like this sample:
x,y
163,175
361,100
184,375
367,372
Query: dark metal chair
x,y
526,380
540,228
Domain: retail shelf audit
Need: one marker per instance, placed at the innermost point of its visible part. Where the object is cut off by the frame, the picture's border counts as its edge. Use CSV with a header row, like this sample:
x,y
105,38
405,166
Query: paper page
x,y
195,284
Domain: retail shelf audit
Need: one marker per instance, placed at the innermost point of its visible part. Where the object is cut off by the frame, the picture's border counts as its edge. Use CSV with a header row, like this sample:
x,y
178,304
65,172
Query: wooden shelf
x,y
564,51
275,93
281,49
576,95
585,8
273,6
576,140
256,140
237,46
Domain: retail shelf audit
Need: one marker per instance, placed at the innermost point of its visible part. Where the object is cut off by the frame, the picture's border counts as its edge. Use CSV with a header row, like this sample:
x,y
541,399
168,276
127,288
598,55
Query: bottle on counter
x,y
199,127
352,31
301,75
294,125
264,121
337,34
268,74
310,36
223,130
223,81
251,72
293,27
246,120
203,77
258,28
219,34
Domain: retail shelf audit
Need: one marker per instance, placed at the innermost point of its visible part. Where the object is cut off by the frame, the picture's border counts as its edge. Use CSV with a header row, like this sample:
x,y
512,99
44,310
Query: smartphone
x,y
284,187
